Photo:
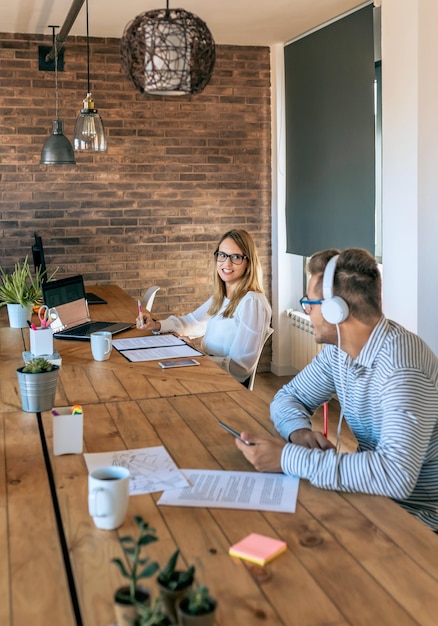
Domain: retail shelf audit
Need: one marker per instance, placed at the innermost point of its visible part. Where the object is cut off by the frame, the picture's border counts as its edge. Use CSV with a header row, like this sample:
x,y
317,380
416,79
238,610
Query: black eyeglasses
x,y
236,259
307,304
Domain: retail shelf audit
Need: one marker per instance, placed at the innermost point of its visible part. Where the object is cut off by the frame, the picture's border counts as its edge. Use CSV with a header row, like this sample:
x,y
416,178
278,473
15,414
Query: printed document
x,y
235,490
154,348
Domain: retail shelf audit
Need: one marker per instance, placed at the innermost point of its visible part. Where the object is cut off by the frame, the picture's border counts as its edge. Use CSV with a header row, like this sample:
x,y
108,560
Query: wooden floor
x,y
266,386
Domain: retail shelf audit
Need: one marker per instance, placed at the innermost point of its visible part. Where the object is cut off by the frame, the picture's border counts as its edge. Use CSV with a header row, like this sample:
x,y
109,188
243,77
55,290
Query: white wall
x,y
410,178
287,274
410,158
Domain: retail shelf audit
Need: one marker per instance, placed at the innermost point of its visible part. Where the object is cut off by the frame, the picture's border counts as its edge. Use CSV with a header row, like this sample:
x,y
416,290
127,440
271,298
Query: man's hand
x,y
265,454
310,439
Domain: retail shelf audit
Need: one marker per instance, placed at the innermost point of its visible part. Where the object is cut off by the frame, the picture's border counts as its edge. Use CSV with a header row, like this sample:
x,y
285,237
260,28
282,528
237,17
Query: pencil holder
x,y
41,341
67,430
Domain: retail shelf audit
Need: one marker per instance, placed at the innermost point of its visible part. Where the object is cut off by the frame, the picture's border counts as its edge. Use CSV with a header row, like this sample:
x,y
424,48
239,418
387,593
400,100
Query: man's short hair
x,y
357,280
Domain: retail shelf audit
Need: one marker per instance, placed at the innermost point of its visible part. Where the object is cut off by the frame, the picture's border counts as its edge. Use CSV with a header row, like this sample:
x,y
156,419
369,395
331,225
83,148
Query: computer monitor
x,y
39,261
38,256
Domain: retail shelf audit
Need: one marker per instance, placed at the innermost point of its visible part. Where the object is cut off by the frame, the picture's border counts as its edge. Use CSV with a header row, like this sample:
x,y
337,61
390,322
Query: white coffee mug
x,y
108,496
101,345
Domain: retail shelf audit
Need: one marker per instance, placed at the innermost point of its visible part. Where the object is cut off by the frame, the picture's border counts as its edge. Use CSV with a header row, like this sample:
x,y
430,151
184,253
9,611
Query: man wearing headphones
x,y
386,380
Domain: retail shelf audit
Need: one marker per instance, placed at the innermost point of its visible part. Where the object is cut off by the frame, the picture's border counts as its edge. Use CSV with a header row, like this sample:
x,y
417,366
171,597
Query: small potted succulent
x,y
37,380
135,567
151,614
197,607
20,290
173,584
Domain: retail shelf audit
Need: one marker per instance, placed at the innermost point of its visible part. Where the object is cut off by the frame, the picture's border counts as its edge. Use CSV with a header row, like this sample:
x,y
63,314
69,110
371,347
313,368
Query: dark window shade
x,y
330,139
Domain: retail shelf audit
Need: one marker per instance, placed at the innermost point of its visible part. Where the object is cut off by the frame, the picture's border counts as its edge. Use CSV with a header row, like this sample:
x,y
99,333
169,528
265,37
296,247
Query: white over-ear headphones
x,y
334,309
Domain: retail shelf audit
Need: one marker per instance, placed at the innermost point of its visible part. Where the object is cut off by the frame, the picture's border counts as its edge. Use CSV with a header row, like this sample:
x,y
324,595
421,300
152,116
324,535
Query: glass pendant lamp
x,y
89,133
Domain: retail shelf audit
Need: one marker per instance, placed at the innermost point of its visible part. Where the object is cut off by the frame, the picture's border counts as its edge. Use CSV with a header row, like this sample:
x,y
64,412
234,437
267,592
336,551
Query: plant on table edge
x,y
21,286
173,584
173,579
151,614
135,567
37,365
197,602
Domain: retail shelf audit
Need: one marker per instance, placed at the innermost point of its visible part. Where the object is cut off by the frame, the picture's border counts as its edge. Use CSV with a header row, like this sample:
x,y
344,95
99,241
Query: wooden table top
x,y
351,558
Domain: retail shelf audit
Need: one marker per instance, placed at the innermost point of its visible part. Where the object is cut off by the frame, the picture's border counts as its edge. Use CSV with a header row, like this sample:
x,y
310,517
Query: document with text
x,y
235,490
154,347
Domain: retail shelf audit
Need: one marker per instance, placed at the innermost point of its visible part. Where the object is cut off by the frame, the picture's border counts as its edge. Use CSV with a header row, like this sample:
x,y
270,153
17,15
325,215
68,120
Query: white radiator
x,y
302,339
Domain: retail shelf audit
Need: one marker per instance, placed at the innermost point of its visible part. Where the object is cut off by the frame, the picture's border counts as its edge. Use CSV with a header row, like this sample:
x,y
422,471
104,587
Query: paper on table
x,y
154,354
150,469
153,348
148,341
235,490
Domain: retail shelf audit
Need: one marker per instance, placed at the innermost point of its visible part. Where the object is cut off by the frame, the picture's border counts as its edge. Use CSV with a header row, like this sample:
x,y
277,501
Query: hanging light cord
x,y
88,48
55,45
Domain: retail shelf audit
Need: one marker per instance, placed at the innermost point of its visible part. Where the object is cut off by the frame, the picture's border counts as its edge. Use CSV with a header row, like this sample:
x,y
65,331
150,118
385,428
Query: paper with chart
x,y
154,347
235,490
150,469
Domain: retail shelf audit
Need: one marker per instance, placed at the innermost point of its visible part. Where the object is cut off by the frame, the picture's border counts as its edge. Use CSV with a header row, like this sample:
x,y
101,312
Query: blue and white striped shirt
x,y
389,397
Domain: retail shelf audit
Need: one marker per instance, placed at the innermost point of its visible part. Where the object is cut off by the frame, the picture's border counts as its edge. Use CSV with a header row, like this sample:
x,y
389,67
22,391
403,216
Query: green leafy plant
x,y
21,286
198,601
136,567
37,365
174,579
151,614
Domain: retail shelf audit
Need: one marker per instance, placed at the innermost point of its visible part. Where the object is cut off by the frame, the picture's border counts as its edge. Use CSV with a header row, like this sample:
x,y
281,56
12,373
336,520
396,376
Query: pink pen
x,y
325,409
140,312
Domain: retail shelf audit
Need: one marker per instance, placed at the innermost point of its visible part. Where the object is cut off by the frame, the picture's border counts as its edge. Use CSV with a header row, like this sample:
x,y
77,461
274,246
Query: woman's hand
x,y
145,322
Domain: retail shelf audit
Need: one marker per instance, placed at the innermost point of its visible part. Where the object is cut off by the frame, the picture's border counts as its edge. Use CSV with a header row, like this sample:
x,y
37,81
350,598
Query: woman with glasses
x,y
235,319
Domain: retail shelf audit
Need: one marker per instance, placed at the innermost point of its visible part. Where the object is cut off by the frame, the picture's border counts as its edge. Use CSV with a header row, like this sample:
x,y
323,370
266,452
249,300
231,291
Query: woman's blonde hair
x,y
252,279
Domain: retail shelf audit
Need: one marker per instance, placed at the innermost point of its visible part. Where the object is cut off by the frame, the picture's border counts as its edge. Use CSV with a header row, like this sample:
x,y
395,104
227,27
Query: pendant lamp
x,y
89,133
57,149
168,52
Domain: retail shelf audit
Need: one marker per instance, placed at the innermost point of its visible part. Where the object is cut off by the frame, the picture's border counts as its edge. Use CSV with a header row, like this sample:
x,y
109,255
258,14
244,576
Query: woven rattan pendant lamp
x,y
168,52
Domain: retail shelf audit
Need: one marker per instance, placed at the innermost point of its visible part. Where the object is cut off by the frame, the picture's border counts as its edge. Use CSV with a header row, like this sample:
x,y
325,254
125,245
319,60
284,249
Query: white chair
x,y
253,375
149,297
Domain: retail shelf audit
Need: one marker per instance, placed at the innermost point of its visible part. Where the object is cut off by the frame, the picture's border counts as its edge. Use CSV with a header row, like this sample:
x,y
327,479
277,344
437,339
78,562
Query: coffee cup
x,y
101,345
108,496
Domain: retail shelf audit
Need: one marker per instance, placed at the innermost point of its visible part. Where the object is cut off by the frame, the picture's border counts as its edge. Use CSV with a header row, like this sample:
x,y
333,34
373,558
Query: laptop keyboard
x,y
85,329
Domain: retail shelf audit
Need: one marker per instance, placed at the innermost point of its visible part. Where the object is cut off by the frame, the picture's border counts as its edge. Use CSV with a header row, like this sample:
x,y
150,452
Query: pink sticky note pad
x,y
258,548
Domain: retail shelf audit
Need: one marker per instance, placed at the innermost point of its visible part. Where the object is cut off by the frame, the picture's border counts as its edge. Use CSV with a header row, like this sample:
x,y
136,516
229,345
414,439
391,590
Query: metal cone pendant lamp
x,y
57,149
89,133
168,52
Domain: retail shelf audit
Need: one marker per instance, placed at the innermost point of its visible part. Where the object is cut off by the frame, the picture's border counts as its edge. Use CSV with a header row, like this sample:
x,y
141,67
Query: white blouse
x,y
233,343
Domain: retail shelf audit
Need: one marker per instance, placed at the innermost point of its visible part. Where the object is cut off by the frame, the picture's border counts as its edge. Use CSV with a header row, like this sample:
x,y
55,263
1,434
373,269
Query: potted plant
x,y
37,381
134,568
151,614
20,291
173,584
196,608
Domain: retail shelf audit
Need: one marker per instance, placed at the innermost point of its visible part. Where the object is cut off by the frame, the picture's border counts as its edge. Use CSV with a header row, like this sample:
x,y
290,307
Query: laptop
x,y
39,261
67,296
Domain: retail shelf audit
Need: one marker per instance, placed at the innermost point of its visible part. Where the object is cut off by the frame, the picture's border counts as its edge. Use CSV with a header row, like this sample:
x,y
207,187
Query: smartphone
x,y
235,433
178,363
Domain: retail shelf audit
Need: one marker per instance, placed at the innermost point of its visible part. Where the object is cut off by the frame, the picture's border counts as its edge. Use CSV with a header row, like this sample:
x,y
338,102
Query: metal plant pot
x,y
37,391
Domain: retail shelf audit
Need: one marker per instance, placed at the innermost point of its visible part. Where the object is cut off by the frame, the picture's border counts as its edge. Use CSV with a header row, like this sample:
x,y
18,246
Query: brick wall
x,y
178,172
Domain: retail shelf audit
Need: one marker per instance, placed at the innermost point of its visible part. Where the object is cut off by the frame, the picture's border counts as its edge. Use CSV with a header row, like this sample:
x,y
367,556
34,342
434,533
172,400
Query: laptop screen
x,y
67,296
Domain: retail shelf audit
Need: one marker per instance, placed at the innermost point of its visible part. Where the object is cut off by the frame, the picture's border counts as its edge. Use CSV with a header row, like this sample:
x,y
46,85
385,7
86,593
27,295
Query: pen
x,y
325,429
140,312
235,433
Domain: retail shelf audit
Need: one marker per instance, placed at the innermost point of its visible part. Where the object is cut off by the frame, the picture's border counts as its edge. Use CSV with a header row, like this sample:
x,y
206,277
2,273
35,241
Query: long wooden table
x,y
351,558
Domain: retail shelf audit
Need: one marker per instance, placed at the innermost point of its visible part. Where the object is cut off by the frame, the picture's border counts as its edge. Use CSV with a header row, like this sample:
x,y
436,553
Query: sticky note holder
x,y
41,341
67,431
